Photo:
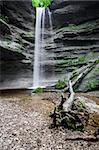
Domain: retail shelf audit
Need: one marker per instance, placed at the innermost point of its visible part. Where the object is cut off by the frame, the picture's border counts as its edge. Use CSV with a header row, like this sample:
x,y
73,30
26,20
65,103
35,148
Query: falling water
x,y
38,30
51,26
40,55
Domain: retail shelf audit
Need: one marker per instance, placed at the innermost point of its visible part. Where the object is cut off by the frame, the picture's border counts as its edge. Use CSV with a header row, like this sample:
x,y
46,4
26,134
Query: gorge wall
x,y
76,42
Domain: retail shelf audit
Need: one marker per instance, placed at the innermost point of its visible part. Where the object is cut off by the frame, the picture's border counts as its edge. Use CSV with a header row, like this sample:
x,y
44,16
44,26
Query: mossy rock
x,y
29,36
87,26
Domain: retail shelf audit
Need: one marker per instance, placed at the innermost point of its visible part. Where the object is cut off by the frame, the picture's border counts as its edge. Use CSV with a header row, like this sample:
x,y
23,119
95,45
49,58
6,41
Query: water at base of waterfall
x,y
40,75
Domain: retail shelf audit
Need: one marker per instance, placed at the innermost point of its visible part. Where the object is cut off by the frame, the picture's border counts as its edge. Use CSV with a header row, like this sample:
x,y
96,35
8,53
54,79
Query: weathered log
x,y
63,114
68,104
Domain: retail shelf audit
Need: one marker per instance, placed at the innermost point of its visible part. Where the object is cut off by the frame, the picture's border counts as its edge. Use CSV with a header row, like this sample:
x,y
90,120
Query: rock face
x,y
16,44
76,42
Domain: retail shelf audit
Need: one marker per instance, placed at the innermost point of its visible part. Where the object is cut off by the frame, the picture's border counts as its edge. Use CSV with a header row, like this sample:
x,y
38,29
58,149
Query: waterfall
x,y
37,51
50,22
40,54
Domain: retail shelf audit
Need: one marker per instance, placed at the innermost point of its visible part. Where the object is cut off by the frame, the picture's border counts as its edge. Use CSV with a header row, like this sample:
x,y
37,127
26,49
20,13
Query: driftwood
x,y
64,114
68,104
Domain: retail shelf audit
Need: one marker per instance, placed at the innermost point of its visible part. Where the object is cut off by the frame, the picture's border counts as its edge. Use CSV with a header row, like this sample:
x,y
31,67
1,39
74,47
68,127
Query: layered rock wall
x,y
76,42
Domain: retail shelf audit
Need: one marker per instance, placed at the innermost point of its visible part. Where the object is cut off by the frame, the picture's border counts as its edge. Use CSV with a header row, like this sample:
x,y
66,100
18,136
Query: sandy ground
x,y
24,124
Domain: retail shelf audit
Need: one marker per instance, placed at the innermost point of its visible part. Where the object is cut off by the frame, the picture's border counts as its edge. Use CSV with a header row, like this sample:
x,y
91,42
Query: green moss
x,y
74,75
4,18
60,84
29,36
80,60
87,25
79,105
93,84
97,61
38,90
72,26
97,69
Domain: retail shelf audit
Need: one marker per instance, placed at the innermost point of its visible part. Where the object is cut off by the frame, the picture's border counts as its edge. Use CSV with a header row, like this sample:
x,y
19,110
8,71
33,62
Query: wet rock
x,y
74,12
4,28
76,40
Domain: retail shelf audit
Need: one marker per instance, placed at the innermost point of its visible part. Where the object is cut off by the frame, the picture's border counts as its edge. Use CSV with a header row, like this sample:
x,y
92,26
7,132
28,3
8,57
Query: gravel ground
x,y
27,128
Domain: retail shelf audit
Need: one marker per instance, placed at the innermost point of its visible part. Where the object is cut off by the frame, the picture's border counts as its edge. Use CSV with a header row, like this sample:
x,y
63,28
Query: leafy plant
x,y
4,18
60,84
81,59
79,105
97,69
41,3
93,84
38,90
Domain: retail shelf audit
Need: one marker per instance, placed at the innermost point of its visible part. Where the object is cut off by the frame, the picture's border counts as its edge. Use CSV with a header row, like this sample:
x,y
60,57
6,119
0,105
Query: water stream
x,y
40,54
38,31
50,23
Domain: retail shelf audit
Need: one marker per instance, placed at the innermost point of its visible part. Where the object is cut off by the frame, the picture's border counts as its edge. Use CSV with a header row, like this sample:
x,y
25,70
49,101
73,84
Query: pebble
x,y
29,130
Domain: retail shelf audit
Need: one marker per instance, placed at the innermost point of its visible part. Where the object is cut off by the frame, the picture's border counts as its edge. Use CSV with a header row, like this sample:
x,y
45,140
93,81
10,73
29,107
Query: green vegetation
x,y
72,26
97,69
97,61
4,18
41,3
29,36
74,75
60,84
79,105
80,59
87,25
38,90
93,84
